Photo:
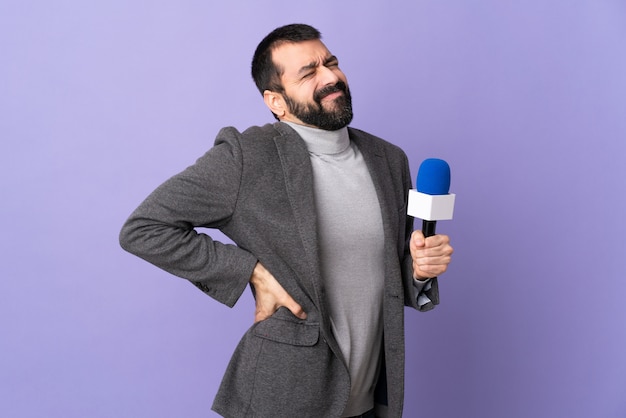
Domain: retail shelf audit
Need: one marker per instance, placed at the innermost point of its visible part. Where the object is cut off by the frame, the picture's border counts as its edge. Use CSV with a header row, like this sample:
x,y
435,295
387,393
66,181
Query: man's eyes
x,y
330,64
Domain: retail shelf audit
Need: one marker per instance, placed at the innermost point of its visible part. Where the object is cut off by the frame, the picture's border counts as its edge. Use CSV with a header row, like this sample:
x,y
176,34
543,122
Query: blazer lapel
x,y
374,157
298,174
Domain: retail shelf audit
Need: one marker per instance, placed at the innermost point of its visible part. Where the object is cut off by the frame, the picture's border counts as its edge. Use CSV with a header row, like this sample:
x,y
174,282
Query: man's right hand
x,y
270,295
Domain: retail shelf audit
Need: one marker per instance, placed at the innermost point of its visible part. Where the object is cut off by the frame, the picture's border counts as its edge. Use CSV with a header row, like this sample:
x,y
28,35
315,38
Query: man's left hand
x,y
431,255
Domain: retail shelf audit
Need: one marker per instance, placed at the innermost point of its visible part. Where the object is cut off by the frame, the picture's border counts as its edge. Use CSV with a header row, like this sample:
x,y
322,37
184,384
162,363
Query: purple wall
x,y
526,100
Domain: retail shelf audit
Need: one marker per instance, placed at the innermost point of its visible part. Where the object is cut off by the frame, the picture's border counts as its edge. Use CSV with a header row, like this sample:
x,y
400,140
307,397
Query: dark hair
x,y
265,74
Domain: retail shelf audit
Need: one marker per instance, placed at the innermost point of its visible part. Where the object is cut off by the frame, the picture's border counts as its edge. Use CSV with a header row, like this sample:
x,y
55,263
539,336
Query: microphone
x,y
432,201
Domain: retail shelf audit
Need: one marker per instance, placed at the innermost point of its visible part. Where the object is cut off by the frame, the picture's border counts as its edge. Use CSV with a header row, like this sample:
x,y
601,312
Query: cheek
x,y
308,93
304,92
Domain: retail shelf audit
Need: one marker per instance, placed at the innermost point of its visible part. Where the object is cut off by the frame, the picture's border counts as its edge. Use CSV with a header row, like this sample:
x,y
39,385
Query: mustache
x,y
325,91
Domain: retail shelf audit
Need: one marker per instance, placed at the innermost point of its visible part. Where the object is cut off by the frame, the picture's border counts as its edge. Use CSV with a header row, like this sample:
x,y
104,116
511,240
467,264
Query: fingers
x,y
423,271
431,256
417,240
260,314
295,308
270,295
266,308
433,246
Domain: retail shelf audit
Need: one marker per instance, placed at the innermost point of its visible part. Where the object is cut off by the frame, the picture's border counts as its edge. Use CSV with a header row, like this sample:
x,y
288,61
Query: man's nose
x,y
328,76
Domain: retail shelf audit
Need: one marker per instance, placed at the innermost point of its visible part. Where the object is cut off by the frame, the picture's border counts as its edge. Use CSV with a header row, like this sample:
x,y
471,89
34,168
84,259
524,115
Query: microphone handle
x,y
428,228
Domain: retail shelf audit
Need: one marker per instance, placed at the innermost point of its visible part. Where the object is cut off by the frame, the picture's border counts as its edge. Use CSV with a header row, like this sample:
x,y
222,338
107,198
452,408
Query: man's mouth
x,y
332,96
330,92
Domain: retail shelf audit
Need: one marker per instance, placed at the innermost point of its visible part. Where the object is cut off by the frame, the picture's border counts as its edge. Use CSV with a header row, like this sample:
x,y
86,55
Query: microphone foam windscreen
x,y
433,177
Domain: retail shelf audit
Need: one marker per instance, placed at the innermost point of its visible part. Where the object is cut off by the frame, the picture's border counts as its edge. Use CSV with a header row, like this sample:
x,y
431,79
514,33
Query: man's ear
x,y
275,102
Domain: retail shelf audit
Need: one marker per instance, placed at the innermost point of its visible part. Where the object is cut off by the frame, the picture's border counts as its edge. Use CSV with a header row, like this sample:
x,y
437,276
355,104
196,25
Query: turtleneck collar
x,y
319,141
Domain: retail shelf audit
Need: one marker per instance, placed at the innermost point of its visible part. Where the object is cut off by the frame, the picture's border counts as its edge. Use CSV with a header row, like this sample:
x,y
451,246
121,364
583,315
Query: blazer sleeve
x,y
162,229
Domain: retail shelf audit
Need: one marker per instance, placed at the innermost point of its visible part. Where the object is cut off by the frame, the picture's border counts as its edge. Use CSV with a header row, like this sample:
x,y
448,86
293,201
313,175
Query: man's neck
x,y
320,141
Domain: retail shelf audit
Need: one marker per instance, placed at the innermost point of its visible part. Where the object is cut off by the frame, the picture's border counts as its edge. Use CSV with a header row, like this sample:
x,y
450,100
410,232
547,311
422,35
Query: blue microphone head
x,y
433,177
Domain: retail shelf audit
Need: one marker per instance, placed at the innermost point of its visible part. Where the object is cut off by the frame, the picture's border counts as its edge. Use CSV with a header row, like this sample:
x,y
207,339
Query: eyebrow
x,y
314,64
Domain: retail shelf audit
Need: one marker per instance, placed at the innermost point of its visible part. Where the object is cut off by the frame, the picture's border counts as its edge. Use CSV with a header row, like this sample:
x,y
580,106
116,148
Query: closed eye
x,y
332,61
310,69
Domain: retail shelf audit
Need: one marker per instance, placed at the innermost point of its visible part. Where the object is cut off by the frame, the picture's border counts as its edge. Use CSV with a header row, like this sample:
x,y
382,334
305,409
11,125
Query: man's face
x,y
316,91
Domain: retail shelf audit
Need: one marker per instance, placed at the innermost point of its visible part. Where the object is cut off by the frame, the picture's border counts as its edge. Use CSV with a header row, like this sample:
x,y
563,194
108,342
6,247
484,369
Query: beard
x,y
316,115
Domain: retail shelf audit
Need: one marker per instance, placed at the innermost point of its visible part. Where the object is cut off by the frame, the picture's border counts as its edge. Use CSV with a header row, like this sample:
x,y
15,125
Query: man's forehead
x,y
291,56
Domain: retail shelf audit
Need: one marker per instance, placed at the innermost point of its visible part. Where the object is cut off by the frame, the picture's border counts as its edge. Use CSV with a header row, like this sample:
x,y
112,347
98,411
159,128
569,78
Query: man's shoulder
x,y
267,130
253,136
255,133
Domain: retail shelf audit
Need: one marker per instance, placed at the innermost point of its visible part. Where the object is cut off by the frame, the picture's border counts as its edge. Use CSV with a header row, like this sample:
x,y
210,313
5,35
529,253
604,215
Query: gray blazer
x,y
256,187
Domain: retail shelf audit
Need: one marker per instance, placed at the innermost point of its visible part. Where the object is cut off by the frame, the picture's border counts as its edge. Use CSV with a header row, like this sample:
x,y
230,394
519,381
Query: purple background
x,y
99,103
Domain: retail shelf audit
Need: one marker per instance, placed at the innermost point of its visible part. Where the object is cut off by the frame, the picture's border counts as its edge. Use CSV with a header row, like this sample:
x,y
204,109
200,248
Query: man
x,y
317,211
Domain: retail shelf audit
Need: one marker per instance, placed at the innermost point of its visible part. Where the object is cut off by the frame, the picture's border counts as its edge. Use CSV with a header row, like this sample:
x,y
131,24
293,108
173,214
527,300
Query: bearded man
x,y
317,214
